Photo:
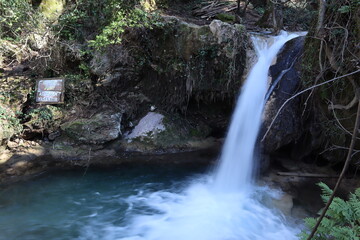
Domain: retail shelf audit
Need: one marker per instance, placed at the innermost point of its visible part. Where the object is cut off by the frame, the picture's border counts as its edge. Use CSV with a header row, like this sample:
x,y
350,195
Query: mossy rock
x,y
169,132
101,128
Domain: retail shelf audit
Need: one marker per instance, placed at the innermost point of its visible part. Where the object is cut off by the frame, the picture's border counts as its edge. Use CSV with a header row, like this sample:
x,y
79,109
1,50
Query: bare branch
x,y
347,162
301,92
343,107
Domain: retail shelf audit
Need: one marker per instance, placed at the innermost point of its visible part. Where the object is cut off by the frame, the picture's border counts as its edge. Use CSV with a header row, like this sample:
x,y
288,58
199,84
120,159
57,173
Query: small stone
x,y
10,171
152,108
12,144
284,204
52,136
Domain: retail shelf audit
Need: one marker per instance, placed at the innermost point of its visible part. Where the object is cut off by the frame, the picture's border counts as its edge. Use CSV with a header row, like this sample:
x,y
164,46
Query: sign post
x,y
50,90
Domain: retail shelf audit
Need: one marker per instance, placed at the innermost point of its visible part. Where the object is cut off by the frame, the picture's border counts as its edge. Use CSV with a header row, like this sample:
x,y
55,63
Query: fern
x,y
342,220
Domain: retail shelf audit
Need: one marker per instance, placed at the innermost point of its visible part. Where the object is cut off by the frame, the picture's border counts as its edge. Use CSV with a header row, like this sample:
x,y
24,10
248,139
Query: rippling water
x,y
68,205
136,203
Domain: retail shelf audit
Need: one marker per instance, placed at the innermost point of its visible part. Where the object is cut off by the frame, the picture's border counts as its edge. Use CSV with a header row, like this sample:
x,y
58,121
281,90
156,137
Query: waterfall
x,y
223,205
236,161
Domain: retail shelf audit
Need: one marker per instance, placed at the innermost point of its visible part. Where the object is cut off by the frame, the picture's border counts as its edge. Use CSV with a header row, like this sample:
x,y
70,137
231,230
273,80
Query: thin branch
x,y
343,107
338,121
301,92
336,147
348,158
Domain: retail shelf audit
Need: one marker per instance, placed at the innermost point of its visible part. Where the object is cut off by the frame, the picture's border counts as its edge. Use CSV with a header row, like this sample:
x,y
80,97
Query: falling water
x,y
236,161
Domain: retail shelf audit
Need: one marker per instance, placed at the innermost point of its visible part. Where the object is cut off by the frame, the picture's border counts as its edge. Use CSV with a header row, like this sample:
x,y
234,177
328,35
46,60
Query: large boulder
x,y
287,128
99,129
156,132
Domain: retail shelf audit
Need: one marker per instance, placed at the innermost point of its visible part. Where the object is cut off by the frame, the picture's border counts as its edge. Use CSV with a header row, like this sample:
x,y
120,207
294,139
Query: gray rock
x,y
149,126
166,133
287,128
12,144
99,129
224,32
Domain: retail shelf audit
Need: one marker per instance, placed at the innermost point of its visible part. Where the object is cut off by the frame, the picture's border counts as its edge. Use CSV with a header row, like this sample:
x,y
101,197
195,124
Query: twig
x,y
301,92
343,107
338,121
334,147
348,158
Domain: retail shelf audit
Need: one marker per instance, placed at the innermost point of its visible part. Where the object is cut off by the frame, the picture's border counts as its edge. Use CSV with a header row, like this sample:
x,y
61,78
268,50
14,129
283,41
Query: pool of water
x,y
147,203
71,205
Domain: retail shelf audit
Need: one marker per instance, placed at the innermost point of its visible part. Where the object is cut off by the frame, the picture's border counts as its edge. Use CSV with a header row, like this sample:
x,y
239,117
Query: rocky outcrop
x,y
177,62
99,129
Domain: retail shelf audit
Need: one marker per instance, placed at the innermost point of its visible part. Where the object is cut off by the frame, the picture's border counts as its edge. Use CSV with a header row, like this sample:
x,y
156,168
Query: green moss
x,y
225,17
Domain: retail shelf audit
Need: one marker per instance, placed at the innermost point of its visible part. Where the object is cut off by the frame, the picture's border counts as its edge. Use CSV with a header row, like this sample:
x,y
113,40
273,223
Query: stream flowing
x,y
224,204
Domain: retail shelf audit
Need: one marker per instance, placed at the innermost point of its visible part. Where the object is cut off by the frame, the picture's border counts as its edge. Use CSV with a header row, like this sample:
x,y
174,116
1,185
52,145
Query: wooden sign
x,y
50,91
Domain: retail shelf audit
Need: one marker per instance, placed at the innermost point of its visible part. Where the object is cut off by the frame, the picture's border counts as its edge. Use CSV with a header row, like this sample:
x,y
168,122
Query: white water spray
x,y
224,206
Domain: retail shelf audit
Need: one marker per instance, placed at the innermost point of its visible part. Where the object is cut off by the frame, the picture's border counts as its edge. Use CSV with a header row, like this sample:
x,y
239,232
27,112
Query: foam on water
x,y
223,205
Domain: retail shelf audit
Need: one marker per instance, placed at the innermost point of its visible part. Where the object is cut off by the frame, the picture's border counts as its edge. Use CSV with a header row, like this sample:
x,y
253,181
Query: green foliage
x,y
123,19
342,220
351,7
78,86
12,122
47,117
107,19
17,17
69,24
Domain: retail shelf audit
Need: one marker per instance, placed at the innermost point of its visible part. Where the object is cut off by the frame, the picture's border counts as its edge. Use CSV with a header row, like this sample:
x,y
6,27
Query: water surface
x,y
71,205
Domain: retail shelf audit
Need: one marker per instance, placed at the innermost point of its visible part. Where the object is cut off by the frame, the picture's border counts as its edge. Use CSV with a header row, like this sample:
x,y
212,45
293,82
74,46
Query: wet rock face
x,y
174,63
99,129
187,60
287,128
